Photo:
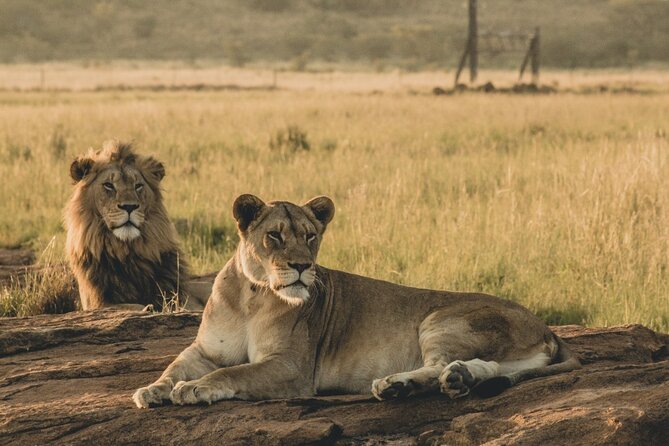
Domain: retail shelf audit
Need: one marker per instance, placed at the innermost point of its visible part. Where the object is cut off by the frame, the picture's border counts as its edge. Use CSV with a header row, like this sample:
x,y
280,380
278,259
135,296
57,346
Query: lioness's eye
x,y
139,186
311,238
275,235
108,186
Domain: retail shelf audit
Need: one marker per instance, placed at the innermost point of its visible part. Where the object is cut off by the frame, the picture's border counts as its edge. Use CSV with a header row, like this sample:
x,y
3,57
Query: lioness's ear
x,y
154,167
246,209
323,209
80,167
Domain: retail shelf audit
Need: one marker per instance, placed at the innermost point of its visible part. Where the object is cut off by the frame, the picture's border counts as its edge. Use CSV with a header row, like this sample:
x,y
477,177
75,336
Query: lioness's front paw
x,y
193,392
456,380
146,396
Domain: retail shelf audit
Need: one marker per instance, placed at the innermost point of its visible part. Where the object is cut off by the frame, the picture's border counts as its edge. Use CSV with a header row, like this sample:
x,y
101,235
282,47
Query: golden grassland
x,y
560,202
327,77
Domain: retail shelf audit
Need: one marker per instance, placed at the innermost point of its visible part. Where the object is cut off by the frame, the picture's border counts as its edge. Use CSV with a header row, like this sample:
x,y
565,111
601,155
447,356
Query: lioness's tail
x,y
567,362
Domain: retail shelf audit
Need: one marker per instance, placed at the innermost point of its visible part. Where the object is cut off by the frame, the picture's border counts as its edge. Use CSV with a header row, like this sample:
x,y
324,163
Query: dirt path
x,y
67,379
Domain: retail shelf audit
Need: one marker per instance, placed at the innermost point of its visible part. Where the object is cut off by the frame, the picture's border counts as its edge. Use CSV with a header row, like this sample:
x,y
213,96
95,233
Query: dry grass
x,y
68,76
50,288
560,202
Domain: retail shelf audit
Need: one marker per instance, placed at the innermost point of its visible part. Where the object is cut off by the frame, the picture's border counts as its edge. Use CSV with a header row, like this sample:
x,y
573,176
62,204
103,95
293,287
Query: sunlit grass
x,y
49,288
559,202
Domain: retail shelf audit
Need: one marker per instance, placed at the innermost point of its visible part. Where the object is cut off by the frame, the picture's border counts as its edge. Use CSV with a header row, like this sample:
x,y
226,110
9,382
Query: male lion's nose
x,y
128,207
300,266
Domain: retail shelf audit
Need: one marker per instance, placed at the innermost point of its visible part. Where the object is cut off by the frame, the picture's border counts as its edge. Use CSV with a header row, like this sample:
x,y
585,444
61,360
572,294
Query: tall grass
x,y
559,202
50,288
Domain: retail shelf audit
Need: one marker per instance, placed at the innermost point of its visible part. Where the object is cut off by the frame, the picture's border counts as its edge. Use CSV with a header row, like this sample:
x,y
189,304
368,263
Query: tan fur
x,y
339,332
124,257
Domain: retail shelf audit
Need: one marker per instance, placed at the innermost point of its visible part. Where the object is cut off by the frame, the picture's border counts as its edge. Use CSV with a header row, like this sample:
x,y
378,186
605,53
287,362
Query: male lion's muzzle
x,y
125,223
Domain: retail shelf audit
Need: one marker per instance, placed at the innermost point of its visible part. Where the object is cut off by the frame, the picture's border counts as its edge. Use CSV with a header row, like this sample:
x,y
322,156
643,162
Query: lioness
x,y
278,326
121,244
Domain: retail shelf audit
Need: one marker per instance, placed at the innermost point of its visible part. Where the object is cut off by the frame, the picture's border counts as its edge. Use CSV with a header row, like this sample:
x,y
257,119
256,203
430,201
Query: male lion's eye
x,y
311,238
139,186
275,235
108,186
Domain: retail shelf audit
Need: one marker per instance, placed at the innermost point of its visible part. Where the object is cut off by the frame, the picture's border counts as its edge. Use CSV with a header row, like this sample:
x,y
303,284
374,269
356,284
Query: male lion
x,y
278,326
121,244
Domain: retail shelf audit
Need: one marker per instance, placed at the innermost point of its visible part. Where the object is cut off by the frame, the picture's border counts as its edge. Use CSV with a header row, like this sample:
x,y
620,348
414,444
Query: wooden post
x,y
473,42
471,48
463,59
528,55
532,56
535,57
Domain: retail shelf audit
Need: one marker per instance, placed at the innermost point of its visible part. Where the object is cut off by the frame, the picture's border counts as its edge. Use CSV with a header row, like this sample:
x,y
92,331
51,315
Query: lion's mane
x,y
109,271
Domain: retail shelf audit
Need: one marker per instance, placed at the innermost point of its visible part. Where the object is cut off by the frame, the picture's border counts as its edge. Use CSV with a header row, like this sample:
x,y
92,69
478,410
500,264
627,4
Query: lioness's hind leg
x,y
415,382
458,377
439,341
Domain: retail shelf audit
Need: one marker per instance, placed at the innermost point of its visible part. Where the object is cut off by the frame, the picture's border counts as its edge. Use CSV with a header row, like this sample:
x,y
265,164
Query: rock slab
x,y
67,379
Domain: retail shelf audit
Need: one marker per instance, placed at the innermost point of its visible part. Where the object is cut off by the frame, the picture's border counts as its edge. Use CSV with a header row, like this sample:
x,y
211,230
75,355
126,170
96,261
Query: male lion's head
x,y
121,244
279,243
119,187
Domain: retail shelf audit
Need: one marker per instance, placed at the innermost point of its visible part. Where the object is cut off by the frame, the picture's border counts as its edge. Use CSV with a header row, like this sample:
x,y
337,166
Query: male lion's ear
x,y
80,167
154,167
323,209
246,209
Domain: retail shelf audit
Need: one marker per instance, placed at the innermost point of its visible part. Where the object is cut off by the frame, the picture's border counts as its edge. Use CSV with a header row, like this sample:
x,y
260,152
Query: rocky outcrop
x,y
68,379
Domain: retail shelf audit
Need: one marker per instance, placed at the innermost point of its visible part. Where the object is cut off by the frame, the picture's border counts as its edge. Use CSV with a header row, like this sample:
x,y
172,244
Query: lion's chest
x,y
225,341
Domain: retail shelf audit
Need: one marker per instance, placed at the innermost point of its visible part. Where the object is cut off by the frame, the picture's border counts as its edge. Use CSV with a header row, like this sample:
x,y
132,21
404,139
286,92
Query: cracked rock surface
x,y
68,379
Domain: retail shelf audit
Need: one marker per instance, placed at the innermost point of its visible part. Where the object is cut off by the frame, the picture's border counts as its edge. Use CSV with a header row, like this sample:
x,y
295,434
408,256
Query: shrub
x,y
292,138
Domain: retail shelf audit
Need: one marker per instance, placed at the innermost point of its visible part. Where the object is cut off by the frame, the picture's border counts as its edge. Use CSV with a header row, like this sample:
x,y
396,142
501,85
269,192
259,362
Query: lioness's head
x,y
279,243
122,188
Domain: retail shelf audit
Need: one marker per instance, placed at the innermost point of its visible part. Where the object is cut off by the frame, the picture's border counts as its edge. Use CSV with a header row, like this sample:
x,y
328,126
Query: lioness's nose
x,y
128,207
300,266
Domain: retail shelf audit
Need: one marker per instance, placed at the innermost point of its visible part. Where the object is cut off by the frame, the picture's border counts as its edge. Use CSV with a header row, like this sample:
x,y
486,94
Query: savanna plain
x,y
559,201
